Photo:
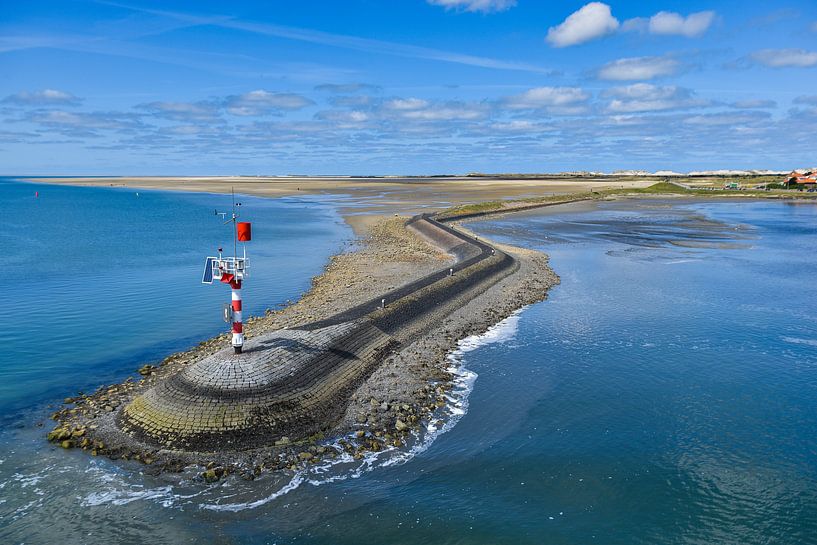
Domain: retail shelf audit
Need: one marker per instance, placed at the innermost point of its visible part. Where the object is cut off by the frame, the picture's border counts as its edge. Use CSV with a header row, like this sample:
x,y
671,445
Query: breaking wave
x,y
235,495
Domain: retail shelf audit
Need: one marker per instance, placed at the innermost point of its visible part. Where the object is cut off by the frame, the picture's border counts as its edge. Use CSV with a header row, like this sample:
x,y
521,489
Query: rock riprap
x,y
292,383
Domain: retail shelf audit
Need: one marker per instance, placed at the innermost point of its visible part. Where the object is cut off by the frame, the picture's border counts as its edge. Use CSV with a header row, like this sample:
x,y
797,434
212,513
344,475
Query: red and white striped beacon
x,y
233,271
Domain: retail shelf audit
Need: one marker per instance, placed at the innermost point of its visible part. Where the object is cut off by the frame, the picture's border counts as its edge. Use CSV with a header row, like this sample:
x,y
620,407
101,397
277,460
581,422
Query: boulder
x,y
146,370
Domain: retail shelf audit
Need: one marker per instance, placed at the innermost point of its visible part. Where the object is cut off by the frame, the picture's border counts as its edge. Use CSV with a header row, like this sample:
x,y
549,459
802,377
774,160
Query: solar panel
x,y
207,277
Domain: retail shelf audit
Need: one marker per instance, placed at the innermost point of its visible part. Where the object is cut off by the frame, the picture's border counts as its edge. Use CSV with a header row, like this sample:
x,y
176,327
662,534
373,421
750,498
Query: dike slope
x,y
293,383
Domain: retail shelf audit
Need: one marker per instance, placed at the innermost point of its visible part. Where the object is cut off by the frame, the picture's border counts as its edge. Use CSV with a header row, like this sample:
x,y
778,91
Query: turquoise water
x,y
666,392
100,281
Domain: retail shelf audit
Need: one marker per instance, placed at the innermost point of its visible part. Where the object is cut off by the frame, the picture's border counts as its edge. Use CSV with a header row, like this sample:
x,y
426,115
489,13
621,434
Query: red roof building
x,y
801,178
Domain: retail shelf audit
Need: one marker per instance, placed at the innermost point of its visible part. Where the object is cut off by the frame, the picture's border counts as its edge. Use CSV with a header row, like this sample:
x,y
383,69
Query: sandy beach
x,y
374,195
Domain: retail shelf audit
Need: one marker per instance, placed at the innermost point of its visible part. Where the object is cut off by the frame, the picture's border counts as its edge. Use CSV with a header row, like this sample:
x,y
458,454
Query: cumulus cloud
x,y
256,103
517,126
344,119
42,98
408,111
452,111
727,119
406,104
182,111
484,6
638,68
671,23
782,58
84,124
592,21
565,100
644,97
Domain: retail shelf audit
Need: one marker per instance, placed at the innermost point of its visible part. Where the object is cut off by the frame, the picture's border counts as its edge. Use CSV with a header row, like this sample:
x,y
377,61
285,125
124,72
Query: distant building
x,y
805,178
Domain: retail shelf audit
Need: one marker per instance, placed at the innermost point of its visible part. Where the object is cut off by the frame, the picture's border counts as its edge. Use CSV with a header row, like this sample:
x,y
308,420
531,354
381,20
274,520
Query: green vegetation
x,y
660,188
485,206
764,179
491,206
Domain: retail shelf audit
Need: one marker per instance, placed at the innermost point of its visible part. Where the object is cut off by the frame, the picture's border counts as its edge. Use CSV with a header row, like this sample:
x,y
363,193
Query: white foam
x,y
455,409
124,497
116,491
798,340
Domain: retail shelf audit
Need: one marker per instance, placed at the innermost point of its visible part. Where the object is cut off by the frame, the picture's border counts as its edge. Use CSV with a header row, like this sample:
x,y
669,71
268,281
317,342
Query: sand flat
x,y
376,195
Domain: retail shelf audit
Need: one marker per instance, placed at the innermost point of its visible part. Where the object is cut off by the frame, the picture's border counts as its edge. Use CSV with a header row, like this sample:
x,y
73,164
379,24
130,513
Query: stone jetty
x,y
293,383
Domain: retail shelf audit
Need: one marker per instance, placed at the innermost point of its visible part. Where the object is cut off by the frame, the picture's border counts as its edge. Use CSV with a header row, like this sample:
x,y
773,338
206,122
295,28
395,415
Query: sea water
x,y
666,392
101,280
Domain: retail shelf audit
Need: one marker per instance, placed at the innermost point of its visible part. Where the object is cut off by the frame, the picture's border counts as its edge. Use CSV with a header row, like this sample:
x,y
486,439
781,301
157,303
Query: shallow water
x,y
665,393
103,279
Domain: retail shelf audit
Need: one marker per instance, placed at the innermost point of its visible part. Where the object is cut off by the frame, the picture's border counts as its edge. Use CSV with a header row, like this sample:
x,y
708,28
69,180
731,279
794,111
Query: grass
x,y
660,188
491,206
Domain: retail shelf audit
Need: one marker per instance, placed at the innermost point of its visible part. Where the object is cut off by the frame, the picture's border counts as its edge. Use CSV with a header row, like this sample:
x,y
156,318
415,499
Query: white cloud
x,y
644,97
636,24
182,111
61,118
592,21
446,113
671,23
418,109
565,100
484,6
407,104
344,119
668,22
727,119
84,123
263,102
517,125
40,98
638,68
780,58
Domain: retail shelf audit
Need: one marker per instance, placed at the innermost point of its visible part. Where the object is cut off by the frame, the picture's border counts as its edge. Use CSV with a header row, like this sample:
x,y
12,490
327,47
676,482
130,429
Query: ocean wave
x,y
345,467
118,489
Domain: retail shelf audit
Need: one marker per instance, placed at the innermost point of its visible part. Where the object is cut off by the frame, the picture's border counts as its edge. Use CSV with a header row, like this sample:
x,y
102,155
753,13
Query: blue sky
x,y
405,86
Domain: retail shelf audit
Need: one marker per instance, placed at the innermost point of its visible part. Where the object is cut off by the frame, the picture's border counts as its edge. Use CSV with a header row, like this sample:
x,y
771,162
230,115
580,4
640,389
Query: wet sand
x,y
374,195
